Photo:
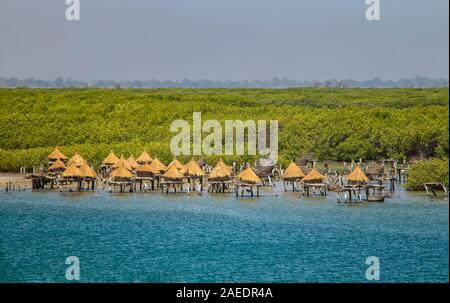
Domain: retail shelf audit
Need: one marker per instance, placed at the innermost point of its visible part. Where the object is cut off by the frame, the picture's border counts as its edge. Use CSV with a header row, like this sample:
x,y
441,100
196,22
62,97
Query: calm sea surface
x,y
279,237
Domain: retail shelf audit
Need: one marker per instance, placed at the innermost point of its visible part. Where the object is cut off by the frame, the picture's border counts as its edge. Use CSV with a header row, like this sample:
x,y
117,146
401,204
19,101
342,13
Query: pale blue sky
x,y
223,39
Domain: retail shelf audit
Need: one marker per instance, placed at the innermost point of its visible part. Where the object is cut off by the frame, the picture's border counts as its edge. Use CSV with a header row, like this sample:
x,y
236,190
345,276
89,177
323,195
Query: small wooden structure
x,y
108,163
314,181
144,158
433,187
375,193
192,172
77,160
219,179
123,178
55,155
146,174
172,178
293,174
57,167
73,174
246,180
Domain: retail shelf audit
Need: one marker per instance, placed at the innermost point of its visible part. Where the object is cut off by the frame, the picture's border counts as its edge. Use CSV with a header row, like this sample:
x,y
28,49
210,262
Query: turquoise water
x,y
149,237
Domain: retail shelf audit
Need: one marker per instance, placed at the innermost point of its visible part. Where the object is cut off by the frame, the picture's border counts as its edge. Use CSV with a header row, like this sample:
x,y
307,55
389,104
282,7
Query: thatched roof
x,y
56,154
175,163
57,165
248,176
219,173
72,172
222,164
173,173
293,172
122,162
313,176
132,162
76,159
111,159
357,176
87,171
121,172
146,168
157,166
193,170
144,158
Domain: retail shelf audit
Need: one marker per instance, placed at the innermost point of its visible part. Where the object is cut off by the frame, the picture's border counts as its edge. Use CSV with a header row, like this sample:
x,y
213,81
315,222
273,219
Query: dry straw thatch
x,y
192,169
110,160
173,174
157,167
313,177
56,154
248,176
121,172
72,172
122,162
134,165
57,165
144,158
175,163
87,171
293,172
357,176
76,159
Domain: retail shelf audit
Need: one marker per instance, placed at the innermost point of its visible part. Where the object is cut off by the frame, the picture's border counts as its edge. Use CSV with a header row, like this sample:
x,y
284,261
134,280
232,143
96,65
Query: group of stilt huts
x,y
145,173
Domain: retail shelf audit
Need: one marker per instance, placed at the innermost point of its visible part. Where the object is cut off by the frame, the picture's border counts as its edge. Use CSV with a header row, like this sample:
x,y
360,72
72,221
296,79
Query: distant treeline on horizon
x,y
275,82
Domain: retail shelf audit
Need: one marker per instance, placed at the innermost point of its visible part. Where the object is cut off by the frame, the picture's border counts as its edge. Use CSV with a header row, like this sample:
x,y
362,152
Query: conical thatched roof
x,y
313,176
173,173
146,168
57,165
248,176
111,159
121,172
193,170
132,162
222,164
293,172
72,172
157,166
219,173
144,158
76,159
56,154
175,163
357,176
87,171
122,162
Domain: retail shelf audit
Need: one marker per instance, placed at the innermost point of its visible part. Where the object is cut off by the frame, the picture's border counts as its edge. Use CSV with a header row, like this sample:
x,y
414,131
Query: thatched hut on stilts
x,y
108,163
357,183
193,172
56,154
172,178
314,181
219,179
157,169
144,158
294,175
73,174
122,177
246,180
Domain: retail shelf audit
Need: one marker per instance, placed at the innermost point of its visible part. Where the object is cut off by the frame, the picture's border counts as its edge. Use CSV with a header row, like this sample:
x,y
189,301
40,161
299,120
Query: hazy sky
x,y
223,39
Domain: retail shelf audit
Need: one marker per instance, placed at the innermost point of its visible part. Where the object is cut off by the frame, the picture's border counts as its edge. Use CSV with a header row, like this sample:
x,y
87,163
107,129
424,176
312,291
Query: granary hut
x,y
314,180
110,160
172,178
144,158
157,167
89,174
76,159
193,171
122,162
246,180
175,163
73,174
293,174
134,165
121,177
57,167
357,177
56,154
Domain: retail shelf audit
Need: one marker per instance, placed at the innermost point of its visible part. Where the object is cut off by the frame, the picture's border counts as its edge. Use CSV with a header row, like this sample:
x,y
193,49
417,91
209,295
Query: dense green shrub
x,y
337,124
434,170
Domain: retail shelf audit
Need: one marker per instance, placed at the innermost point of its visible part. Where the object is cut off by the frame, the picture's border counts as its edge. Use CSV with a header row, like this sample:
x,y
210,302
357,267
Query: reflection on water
x,y
154,237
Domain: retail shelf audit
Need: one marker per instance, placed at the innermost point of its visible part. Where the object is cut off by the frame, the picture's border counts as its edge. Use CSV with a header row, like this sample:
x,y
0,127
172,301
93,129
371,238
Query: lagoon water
x,y
151,237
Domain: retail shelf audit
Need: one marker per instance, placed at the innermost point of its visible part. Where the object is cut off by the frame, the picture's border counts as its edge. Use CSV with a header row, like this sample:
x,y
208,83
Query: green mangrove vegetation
x,y
331,123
